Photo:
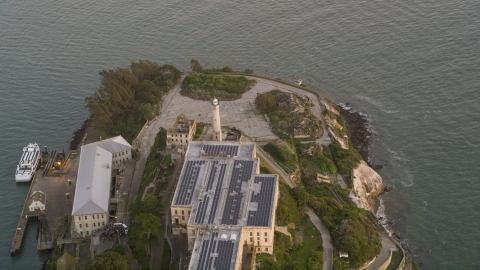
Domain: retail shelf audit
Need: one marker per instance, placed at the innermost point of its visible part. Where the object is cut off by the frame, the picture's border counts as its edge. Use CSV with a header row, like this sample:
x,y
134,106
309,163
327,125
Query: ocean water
x,y
412,66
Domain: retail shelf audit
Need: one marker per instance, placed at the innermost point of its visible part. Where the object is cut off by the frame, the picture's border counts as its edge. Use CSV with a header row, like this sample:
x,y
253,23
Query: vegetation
x,y
283,154
207,86
331,118
265,102
248,71
345,159
195,66
109,261
304,250
397,257
351,228
217,70
166,256
54,256
199,130
289,114
325,161
145,215
128,97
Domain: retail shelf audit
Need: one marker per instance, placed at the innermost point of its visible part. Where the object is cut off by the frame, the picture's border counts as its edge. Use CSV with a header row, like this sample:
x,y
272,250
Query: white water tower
x,y
217,130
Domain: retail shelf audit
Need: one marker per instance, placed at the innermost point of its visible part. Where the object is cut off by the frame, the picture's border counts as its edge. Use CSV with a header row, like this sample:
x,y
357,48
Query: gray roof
x,y
93,181
113,145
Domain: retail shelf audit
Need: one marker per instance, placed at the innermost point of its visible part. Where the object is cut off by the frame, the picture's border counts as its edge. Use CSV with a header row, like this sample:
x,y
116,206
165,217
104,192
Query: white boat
x,y
28,163
299,82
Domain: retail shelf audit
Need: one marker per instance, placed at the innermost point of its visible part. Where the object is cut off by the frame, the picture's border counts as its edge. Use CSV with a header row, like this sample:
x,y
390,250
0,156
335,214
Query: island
x,y
322,186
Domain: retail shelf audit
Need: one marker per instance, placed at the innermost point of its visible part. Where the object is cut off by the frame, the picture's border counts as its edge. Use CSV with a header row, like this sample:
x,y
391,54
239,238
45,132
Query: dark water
x,y
413,67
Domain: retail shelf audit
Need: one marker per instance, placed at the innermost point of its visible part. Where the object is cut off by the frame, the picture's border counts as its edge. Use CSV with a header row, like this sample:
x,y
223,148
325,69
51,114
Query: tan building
x,y
38,201
92,192
182,132
224,205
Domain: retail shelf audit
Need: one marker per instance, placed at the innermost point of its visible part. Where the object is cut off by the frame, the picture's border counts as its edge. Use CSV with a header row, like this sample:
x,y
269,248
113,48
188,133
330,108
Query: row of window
x,y
183,212
258,240
120,154
93,216
94,225
259,249
258,234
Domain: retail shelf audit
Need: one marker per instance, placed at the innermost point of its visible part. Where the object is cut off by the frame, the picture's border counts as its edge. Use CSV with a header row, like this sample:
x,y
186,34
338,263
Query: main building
x,y
223,205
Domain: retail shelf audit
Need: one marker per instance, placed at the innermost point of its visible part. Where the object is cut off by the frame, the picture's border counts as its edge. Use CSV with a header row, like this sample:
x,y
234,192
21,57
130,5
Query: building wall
x,y
180,214
181,138
119,158
86,224
259,238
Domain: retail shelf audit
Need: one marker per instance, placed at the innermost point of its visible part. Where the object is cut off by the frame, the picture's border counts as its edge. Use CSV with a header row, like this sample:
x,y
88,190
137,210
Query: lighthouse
x,y
217,130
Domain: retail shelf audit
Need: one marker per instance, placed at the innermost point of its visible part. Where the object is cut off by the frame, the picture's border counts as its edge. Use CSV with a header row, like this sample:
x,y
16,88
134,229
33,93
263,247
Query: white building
x,y
94,177
223,204
38,201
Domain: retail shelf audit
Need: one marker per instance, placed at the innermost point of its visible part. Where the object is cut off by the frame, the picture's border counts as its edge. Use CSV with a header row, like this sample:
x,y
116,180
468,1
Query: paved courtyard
x,y
240,113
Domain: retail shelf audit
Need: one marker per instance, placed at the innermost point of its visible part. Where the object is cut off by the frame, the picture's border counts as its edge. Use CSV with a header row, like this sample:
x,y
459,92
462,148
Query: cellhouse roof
x,y
92,190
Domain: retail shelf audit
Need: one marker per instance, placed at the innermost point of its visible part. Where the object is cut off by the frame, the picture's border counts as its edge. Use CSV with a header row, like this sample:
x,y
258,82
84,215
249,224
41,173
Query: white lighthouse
x,y
217,130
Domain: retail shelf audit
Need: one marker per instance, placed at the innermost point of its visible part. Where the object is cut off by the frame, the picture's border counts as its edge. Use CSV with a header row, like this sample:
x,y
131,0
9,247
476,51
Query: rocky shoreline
x,y
359,132
78,134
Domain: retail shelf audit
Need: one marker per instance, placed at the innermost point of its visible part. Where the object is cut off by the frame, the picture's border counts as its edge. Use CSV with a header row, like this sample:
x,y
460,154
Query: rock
x,y
367,185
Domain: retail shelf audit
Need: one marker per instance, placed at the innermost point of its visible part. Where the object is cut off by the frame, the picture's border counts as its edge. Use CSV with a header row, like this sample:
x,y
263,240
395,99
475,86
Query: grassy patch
x,y
199,130
397,257
283,154
166,256
345,159
208,86
167,160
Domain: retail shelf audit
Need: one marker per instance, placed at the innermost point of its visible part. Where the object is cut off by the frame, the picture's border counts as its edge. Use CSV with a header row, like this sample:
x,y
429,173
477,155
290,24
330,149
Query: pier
x,y
58,188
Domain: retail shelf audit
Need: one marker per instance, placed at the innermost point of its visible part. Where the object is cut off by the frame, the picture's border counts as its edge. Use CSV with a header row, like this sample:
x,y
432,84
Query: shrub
x,y
248,71
265,102
345,159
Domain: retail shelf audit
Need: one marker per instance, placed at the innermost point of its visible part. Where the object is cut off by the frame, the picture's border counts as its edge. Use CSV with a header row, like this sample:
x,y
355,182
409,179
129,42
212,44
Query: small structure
x,y
178,153
66,262
343,254
38,201
181,133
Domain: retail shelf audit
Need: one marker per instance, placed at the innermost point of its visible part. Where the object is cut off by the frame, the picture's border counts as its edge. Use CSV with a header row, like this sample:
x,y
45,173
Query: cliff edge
x,y
367,185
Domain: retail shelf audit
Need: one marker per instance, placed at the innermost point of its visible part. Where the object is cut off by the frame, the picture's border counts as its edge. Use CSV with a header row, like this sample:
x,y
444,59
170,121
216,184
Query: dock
x,y
58,187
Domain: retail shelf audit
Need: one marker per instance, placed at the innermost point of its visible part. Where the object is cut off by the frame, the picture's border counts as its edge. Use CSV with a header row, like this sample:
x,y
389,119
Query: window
x,y
251,239
79,218
258,244
93,216
183,213
266,239
102,216
258,234
175,212
188,212
266,249
258,249
98,216
193,232
183,217
85,217
266,234
103,223
86,225
80,225
81,233
98,224
251,233
94,224
87,232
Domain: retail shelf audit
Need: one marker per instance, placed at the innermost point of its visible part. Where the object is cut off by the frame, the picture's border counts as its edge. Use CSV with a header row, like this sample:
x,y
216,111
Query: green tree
x,y
195,66
109,261
300,195
265,102
227,69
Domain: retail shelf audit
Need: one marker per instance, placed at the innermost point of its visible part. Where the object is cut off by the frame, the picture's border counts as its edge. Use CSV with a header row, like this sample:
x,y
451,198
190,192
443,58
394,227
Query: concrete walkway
x,y
326,238
387,246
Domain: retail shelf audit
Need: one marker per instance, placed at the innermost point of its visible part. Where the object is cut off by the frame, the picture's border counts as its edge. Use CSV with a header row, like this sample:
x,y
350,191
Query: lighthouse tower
x,y
217,130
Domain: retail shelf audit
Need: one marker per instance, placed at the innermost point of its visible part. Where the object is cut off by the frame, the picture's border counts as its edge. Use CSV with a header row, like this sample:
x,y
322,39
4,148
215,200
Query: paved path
x,y
387,245
326,238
